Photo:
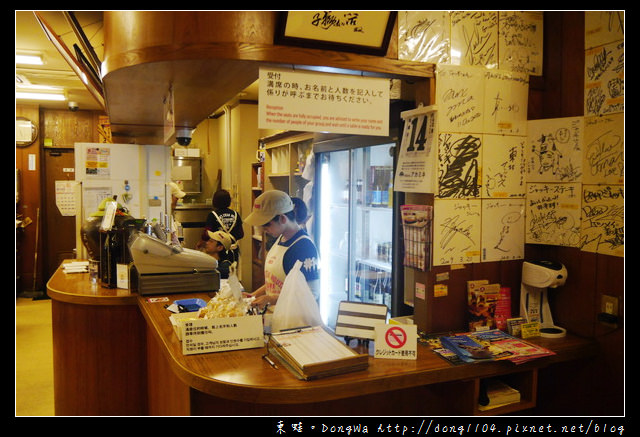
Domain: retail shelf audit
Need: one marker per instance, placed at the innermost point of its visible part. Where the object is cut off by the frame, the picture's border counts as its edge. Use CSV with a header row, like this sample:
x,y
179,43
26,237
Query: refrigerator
x,y
136,174
355,223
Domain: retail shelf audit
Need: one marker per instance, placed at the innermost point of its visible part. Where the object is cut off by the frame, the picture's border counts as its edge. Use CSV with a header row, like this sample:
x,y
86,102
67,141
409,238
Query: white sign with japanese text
x,y
221,334
323,102
396,341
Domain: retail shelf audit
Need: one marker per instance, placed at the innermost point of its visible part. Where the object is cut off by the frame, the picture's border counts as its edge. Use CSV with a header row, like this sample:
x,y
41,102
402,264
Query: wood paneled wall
x,y
65,128
28,206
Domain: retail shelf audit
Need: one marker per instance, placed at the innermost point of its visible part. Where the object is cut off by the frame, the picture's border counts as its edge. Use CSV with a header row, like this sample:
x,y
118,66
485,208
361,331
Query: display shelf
x,y
285,159
525,382
257,246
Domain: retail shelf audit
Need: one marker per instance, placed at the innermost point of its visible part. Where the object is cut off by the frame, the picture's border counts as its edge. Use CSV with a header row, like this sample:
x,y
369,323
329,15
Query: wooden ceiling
x,y
205,57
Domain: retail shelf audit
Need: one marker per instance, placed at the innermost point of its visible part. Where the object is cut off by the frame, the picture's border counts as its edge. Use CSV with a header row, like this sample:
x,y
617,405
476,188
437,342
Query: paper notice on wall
x,y
98,162
66,197
322,102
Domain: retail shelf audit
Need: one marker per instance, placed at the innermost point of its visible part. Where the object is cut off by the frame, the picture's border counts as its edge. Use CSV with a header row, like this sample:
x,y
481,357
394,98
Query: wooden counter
x,y
242,383
116,353
99,354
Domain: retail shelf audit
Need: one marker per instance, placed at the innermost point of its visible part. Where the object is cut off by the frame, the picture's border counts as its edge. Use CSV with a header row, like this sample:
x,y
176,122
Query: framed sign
x,y
366,32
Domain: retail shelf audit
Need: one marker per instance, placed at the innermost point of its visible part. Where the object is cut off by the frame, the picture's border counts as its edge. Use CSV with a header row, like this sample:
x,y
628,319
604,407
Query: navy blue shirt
x,y
304,250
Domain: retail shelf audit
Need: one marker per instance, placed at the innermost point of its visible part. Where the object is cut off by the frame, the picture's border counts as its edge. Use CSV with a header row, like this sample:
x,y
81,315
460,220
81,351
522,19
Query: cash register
x,y
164,268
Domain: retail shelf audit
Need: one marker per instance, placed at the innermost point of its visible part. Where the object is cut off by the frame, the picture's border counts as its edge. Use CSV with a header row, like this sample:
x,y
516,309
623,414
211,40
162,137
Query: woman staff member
x,y
223,218
274,211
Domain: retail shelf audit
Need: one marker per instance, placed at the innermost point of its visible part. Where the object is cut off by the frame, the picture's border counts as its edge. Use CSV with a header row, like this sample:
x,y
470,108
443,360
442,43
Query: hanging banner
x,y
416,169
322,102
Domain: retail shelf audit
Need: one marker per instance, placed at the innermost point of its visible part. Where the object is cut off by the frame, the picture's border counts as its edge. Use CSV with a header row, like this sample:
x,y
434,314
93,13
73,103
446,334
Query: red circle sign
x,y
396,337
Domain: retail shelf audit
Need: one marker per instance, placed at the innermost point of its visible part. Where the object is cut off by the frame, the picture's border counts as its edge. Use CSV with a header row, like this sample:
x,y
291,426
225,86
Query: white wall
x,y
239,126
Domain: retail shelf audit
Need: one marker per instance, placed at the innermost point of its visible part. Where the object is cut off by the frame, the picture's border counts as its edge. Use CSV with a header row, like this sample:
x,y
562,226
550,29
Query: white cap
x,y
176,191
268,205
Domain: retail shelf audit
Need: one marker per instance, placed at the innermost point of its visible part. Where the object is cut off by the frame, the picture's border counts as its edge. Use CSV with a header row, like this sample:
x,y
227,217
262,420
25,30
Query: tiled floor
x,y
34,358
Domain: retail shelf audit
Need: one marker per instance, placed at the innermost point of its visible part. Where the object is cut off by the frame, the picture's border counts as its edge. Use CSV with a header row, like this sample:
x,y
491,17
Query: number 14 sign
x,y
417,161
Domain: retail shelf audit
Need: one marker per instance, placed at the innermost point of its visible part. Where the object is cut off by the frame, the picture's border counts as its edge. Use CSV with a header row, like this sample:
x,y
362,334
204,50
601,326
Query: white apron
x,y
274,274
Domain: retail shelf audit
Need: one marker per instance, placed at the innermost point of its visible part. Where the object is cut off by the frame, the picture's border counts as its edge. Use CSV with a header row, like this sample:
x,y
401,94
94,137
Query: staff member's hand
x,y
263,300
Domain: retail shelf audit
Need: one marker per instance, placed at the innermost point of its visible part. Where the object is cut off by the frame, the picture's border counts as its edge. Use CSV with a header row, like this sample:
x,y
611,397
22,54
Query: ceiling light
x,y
29,59
34,87
40,96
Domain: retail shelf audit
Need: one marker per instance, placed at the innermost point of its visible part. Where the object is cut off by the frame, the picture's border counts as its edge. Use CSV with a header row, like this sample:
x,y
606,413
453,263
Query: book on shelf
x,y
312,352
495,393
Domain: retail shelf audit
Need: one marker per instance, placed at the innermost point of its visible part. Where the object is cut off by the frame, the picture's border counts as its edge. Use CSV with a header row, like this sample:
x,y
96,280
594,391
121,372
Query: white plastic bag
x,y
296,305
234,283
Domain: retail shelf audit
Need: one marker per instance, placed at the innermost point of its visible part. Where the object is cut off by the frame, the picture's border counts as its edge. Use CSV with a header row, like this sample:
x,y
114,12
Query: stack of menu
x,y
311,353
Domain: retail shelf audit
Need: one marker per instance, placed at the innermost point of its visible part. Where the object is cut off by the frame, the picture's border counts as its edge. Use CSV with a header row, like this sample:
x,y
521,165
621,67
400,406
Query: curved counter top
x,y
116,353
99,353
76,288
241,380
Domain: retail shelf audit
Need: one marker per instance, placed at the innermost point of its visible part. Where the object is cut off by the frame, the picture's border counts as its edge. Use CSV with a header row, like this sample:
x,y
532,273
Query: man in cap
x,y
274,212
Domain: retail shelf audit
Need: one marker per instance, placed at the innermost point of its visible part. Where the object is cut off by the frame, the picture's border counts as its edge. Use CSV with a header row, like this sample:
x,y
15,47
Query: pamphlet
x,y
492,345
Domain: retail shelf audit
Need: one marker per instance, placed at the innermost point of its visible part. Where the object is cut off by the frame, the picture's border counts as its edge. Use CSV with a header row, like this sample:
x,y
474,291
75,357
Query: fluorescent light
x,y
31,86
40,96
29,59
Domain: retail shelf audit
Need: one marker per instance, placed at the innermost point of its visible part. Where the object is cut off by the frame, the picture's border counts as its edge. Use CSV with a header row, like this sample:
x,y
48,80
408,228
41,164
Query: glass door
x,y
334,231
372,225
354,227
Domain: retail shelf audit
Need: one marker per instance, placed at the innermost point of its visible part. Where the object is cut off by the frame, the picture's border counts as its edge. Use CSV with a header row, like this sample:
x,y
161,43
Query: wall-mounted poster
x,y
603,219
502,229
503,162
460,98
521,41
604,149
554,150
456,231
474,38
98,162
505,102
553,214
424,36
603,27
604,79
459,160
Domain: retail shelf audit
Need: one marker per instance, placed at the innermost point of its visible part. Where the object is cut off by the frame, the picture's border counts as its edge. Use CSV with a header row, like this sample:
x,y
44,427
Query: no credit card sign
x,y
395,337
396,341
